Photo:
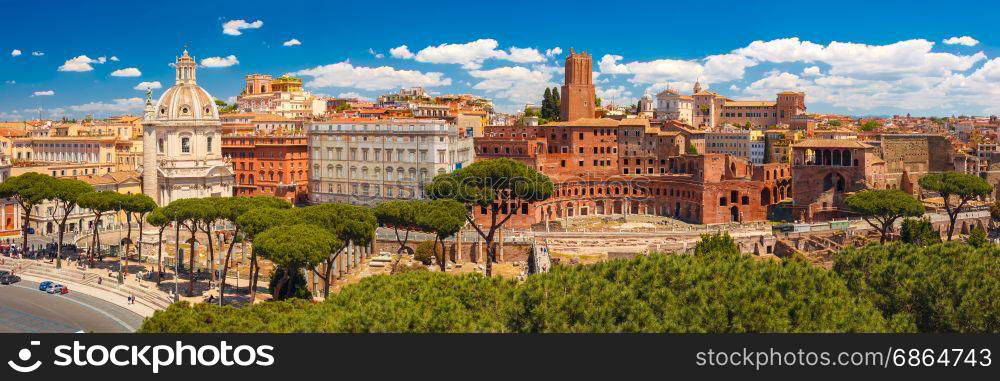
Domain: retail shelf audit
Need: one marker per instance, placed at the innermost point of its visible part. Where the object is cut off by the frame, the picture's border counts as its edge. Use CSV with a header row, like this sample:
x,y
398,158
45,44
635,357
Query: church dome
x,y
186,100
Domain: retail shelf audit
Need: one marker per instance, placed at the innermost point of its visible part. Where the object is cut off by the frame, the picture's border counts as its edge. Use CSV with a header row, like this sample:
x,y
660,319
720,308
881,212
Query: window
x,y
208,144
185,145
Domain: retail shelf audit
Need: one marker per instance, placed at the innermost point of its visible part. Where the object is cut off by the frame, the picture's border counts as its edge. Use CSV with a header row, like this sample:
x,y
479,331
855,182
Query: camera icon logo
x,y
25,355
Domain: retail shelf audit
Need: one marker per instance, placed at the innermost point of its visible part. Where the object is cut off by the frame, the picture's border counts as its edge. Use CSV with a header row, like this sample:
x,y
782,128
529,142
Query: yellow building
x,y
66,149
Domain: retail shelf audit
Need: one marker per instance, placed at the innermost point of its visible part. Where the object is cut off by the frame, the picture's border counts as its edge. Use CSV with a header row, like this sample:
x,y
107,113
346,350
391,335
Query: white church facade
x,y
182,142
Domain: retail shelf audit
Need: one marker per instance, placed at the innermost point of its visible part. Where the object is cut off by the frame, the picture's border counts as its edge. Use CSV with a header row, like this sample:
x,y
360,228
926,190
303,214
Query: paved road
x,y
25,309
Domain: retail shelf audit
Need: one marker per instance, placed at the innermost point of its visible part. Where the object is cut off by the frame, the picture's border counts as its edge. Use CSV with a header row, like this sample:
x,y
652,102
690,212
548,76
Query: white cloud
x,y
376,54
11,82
782,50
774,83
470,55
127,72
117,105
679,86
711,69
725,67
80,64
114,58
617,94
811,71
964,40
37,53
44,93
102,59
234,27
515,84
148,85
903,58
521,55
401,52
5,116
220,61
292,42
15,53
343,74
353,95
553,52
661,70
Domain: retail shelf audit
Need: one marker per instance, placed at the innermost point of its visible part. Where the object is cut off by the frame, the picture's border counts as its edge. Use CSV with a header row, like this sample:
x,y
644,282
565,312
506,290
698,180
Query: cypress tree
x,y
547,104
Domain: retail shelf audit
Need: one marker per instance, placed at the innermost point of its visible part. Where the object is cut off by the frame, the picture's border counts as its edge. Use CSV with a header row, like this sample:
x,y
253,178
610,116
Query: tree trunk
x,y
62,231
225,268
490,255
24,230
253,275
441,260
191,260
159,256
951,225
138,244
278,286
211,253
124,269
94,242
326,279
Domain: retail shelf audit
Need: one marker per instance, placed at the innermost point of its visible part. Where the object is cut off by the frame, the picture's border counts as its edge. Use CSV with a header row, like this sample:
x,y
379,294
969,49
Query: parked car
x,y
44,286
4,273
58,289
9,279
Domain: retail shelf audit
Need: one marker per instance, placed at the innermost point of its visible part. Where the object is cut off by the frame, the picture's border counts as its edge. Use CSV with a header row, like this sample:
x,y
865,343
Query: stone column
x,y
458,247
339,265
479,250
500,243
347,258
357,255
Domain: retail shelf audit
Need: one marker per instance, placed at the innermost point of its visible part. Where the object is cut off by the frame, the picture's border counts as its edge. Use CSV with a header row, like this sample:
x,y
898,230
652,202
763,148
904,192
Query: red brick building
x,y
605,167
608,166
826,171
578,93
270,165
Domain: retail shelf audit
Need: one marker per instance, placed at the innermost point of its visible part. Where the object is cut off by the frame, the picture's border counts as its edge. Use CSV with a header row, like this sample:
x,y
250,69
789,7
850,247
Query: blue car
x,y
44,286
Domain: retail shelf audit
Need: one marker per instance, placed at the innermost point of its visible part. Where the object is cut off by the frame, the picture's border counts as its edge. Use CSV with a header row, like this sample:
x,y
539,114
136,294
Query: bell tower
x,y
185,67
578,94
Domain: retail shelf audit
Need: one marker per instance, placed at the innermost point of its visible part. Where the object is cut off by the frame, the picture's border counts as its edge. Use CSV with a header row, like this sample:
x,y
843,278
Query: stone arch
x,y
765,197
834,181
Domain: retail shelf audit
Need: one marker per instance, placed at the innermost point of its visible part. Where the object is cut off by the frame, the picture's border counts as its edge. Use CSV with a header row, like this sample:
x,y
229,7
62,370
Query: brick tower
x,y
577,100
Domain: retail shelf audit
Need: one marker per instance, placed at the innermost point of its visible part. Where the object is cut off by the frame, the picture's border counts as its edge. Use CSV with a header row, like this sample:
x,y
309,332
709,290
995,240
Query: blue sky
x,y
854,58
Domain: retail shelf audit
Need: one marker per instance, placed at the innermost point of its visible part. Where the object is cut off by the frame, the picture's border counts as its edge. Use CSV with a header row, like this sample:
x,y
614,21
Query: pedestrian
x,y
99,279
